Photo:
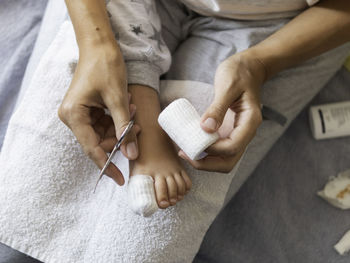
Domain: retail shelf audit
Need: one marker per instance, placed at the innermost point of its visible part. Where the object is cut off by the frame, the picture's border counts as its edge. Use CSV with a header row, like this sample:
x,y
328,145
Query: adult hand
x,y
99,82
235,112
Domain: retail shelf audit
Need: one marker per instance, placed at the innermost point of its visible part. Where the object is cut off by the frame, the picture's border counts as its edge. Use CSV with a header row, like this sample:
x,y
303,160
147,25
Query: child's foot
x,y
158,159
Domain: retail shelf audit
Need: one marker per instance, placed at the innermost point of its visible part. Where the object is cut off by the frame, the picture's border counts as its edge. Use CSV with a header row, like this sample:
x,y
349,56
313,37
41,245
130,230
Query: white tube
x,y
330,120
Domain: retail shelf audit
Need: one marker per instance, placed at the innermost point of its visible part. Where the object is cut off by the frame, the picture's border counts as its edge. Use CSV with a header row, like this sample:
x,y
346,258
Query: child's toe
x,y
181,186
161,190
187,180
172,189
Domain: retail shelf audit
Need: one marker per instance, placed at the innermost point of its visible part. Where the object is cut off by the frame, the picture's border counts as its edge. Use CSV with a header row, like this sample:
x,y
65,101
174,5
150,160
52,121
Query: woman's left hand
x,y
235,112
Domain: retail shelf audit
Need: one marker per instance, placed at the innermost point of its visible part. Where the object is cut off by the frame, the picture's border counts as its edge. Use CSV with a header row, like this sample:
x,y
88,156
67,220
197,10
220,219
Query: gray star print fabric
x,y
137,28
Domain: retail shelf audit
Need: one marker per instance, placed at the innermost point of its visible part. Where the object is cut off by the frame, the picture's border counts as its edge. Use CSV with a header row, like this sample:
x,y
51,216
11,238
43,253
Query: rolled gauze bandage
x,y
141,195
181,122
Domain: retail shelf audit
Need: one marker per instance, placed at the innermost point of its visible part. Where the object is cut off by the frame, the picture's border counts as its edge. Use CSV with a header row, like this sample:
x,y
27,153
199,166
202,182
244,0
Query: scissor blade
x,y
115,149
106,165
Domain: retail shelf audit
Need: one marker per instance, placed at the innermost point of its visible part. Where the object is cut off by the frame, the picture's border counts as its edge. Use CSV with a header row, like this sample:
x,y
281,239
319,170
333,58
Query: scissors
x,y
115,149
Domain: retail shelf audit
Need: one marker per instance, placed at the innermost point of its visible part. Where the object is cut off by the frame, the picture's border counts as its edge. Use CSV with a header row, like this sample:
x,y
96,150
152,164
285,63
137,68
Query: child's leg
x,y
137,28
158,157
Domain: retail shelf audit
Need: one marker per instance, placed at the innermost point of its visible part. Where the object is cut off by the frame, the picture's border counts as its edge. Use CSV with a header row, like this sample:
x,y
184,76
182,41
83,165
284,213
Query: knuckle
x,y
67,111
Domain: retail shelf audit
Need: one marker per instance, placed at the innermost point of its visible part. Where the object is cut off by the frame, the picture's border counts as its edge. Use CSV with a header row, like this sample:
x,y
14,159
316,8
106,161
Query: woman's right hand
x,y
100,82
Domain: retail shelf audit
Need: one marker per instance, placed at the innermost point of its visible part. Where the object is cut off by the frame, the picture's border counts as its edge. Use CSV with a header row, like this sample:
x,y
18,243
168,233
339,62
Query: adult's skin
x,y
238,79
99,82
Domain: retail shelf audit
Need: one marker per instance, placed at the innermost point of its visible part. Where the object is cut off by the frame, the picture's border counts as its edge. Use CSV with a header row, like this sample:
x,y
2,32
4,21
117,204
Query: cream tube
x,y
330,120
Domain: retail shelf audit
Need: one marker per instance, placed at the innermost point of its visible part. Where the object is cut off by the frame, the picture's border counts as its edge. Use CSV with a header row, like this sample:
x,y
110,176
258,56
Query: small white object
x,y
181,122
141,195
330,120
343,246
337,190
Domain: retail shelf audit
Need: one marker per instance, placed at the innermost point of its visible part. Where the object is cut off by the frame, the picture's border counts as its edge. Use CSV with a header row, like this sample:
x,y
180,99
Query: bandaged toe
x,y
181,122
141,195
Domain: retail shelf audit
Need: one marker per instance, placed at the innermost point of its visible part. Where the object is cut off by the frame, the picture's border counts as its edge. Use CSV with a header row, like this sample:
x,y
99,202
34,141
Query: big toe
x,y
141,195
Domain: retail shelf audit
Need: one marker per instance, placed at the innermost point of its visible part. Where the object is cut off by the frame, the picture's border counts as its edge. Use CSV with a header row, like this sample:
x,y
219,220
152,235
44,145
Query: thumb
x,y
213,117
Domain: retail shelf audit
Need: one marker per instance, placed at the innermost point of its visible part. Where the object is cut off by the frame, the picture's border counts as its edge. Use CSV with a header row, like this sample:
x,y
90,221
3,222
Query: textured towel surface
x,y
181,122
47,208
141,195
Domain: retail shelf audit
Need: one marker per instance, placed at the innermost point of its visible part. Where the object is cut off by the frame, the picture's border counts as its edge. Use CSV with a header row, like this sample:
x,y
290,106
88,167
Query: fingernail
x,y
180,197
172,200
131,150
210,123
118,180
164,203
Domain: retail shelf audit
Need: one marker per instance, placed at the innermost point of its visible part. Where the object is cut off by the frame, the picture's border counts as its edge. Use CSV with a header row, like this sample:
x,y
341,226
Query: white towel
x,y
47,206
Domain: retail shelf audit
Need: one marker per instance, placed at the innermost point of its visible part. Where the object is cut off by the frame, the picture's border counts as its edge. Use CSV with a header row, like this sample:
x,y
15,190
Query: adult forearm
x,y
91,24
317,30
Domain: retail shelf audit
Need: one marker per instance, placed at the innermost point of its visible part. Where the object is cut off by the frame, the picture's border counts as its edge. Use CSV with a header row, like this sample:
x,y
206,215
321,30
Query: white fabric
x,y
141,195
249,9
343,246
181,122
47,206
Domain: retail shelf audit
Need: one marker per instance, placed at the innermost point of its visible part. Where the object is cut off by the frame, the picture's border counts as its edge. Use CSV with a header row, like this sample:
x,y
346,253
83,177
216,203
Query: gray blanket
x,y
276,216
19,25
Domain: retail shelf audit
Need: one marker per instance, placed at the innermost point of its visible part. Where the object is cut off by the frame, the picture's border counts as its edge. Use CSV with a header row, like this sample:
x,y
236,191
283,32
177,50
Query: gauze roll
x,y
181,122
141,195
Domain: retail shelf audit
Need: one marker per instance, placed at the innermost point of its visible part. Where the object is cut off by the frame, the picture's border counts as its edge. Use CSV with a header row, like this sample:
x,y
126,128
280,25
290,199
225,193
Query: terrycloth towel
x,y
47,208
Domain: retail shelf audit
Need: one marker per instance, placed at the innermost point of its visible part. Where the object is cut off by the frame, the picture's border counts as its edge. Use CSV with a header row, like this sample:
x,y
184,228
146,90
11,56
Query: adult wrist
x,y
255,63
108,50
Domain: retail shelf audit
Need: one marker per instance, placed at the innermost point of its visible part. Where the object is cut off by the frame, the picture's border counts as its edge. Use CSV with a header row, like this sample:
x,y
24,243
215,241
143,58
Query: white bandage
x,y
181,122
141,195
343,246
